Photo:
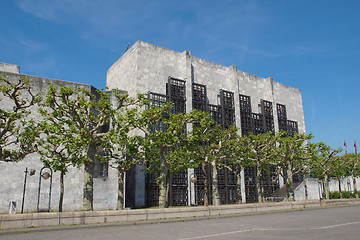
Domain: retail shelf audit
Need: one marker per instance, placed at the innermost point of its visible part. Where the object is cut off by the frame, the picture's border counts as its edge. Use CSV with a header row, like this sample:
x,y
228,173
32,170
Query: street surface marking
x,y
268,229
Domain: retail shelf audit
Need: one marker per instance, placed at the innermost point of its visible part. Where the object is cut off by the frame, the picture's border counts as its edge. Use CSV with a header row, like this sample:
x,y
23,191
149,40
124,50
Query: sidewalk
x,y
35,220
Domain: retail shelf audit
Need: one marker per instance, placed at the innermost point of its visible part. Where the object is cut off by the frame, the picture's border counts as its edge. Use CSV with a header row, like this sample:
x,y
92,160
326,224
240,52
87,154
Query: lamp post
x,y
192,181
319,184
32,172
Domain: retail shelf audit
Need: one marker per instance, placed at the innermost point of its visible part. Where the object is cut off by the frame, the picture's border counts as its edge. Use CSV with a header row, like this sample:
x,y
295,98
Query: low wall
x,y
11,221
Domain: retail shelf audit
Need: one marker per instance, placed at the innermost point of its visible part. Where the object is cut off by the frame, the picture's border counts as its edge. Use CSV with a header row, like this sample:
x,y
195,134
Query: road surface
x,y
323,223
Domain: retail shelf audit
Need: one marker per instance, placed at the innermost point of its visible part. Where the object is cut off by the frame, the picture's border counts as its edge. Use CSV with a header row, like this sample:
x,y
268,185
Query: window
x,y
101,169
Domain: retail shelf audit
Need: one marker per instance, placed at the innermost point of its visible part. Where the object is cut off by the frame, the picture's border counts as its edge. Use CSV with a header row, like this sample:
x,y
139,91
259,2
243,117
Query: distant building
x,y
253,103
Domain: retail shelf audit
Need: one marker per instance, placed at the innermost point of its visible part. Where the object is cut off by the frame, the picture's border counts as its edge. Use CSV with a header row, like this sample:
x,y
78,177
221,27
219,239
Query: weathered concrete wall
x,y
12,174
11,68
315,190
292,99
146,67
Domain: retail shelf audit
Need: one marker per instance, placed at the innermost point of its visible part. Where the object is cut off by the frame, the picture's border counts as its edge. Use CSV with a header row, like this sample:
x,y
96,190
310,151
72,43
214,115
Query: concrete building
x,y
253,103
12,174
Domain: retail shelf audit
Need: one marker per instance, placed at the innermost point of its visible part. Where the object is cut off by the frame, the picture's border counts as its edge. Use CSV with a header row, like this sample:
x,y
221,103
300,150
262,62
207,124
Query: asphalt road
x,y
324,223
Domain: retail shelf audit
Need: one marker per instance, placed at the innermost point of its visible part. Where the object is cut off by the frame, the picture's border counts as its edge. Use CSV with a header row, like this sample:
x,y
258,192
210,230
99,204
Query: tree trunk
x,y
340,193
61,199
262,191
89,179
206,193
289,184
121,184
355,187
162,180
306,188
326,183
215,184
258,183
167,188
238,186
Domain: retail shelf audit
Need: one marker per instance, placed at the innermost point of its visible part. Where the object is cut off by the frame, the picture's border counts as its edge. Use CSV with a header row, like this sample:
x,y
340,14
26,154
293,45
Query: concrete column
x,y
243,190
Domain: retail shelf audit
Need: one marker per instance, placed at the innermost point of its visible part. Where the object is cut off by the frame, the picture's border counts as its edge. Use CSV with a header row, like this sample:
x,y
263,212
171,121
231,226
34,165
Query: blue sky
x,y
311,45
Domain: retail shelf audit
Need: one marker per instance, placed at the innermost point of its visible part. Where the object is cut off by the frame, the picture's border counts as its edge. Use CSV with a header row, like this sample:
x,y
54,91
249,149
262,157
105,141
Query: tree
x,y
58,149
84,113
324,162
221,153
306,164
212,146
239,162
340,170
121,147
353,168
17,131
165,134
291,154
260,150
199,141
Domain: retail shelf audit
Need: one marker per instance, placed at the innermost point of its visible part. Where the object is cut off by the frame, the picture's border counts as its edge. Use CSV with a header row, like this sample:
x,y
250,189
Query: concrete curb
x,y
34,220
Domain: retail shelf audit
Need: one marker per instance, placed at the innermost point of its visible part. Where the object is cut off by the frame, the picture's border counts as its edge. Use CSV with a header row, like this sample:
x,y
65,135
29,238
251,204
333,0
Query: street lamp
x,y
32,173
319,184
192,181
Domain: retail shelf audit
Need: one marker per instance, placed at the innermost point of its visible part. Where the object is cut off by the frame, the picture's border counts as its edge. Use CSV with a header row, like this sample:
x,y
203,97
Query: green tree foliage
x,y
17,130
58,148
78,117
324,161
163,148
121,146
291,158
212,146
260,150
198,145
340,170
353,168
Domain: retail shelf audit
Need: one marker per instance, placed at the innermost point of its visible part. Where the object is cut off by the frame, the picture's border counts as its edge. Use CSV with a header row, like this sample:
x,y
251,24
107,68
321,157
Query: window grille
x,y
258,124
227,186
282,118
292,127
175,93
200,186
152,189
175,89
267,112
199,98
215,113
157,99
179,189
245,115
228,110
250,184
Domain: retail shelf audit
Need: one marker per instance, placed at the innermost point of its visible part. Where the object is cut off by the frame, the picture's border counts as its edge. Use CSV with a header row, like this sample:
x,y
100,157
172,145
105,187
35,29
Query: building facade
x,y
254,104
12,174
